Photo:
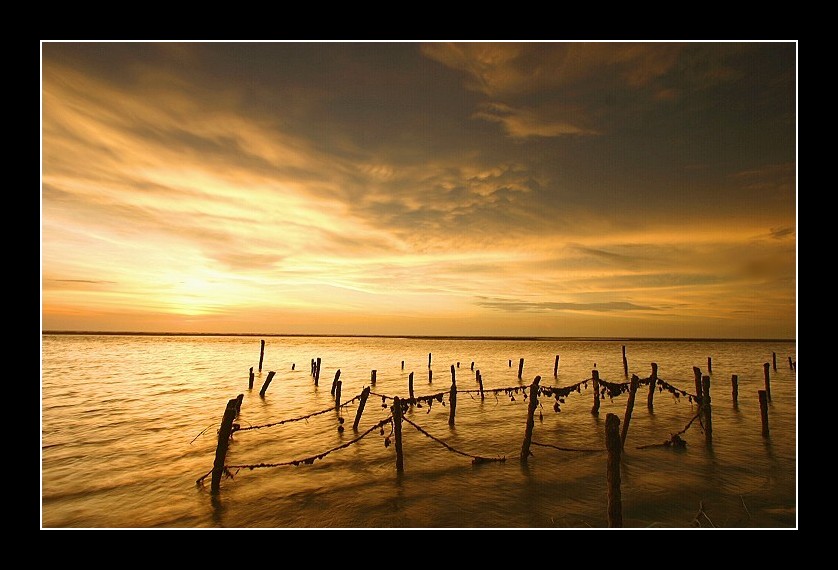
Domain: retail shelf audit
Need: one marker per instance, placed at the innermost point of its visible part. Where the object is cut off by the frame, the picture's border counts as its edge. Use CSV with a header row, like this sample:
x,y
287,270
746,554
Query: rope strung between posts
x,y
662,385
330,409
475,459
564,448
306,460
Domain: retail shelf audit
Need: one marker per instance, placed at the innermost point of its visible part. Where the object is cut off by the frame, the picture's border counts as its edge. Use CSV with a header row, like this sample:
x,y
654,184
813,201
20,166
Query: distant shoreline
x,y
419,337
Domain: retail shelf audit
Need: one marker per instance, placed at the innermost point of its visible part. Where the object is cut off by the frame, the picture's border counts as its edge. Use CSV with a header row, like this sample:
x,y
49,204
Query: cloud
x,y
527,123
783,232
515,305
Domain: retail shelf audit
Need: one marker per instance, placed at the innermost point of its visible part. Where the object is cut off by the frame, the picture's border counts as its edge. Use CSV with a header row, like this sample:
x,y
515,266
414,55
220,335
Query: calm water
x,y
129,423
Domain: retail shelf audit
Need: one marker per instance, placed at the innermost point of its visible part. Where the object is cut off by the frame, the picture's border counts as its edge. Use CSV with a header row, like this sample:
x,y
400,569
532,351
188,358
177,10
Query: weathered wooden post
x,y
629,407
239,404
312,367
595,375
520,368
364,395
223,443
429,360
293,365
372,376
709,365
267,383
250,380
734,384
791,364
453,374
430,376
402,364
774,360
763,410
510,363
338,384
698,388
472,365
556,367
317,372
653,382
452,398
397,431
612,471
525,447
335,382
767,381
261,354
625,364
480,383
707,410
410,386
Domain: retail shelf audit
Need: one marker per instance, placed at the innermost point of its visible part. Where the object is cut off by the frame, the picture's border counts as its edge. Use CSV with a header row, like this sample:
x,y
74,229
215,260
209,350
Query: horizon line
x,y
415,336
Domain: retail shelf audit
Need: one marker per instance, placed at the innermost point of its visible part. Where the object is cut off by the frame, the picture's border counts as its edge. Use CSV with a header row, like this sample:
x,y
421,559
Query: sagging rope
x,y
307,460
327,410
565,448
476,459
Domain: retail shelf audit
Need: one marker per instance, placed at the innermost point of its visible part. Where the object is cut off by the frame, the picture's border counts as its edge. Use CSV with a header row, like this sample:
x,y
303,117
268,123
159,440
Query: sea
x,y
129,432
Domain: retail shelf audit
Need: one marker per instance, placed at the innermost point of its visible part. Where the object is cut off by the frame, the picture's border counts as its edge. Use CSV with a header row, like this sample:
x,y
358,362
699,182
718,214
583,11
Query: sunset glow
x,y
521,189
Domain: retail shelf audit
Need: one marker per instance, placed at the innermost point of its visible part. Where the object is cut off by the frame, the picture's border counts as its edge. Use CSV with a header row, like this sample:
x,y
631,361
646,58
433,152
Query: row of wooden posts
x,y
615,437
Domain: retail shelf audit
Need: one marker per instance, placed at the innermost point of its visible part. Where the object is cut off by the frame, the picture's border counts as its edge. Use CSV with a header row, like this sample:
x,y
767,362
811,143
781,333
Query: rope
x,y
475,458
675,439
331,409
565,448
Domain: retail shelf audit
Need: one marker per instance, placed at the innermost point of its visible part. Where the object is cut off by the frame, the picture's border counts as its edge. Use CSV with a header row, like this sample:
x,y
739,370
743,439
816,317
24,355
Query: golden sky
x,y
520,189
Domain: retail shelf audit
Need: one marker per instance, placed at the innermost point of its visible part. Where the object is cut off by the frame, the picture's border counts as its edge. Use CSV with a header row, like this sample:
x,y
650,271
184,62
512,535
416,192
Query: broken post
x,y
734,384
261,354
267,383
397,432
612,471
452,399
402,364
223,443
480,383
372,376
629,407
364,395
338,384
525,447
239,404
625,365
774,360
556,367
430,376
791,364
472,365
335,382
767,381
250,380
317,372
595,376
520,368
763,410
453,374
706,410
410,386
429,360
709,365
653,381
698,389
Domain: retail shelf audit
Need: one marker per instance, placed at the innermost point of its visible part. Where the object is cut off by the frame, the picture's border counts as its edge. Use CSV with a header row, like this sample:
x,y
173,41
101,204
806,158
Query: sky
x,y
602,189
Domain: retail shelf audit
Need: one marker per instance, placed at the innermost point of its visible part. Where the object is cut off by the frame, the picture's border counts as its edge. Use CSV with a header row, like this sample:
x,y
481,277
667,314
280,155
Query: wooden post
x,y
397,430
335,382
372,376
653,382
767,381
774,360
267,383
430,376
453,374
625,365
410,385
472,365
223,443
629,407
698,388
556,367
520,368
510,363
525,447
312,367
734,384
261,354
317,372
402,364
763,410
239,404
250,380
709,365
429,360
706,409
364,395
595,375
612,471
452,399
791,364
480,383
458,364
293,365
338,384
